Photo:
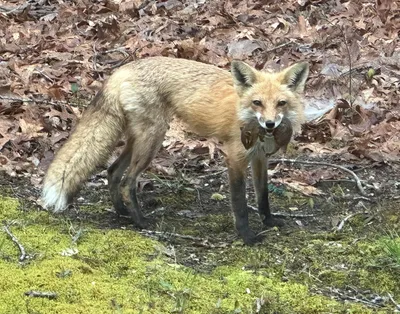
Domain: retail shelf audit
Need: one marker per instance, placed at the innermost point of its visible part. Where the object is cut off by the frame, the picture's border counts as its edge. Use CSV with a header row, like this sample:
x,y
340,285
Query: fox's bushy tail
x,y
88,147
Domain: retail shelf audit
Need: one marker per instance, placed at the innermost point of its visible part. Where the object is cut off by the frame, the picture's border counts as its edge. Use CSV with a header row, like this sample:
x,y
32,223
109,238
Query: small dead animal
x,y
253,131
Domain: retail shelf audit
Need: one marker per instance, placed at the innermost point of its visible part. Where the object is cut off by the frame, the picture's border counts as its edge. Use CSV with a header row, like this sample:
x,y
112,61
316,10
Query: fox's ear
x,y
295,77
244,76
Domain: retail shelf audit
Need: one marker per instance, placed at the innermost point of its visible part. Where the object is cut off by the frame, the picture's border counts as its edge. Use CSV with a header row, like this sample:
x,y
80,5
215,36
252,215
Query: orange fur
x,y
141,98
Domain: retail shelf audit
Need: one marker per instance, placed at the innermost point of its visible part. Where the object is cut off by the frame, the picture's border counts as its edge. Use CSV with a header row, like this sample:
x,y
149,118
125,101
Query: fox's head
x,y
269,97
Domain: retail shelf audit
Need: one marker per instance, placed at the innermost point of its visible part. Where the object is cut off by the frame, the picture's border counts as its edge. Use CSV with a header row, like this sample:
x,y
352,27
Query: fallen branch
x,y
341,224
264,232
44,75
359,198
394,302
356,178
278,47
157,210
39,294
23,255
359,68
211,174
365,301
292,215
121,50
283,214
58,103
198,241
171,234
127,55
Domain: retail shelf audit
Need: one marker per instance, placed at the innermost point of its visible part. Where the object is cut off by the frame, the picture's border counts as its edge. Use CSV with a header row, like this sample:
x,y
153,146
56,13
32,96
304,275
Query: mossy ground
x,y
98,263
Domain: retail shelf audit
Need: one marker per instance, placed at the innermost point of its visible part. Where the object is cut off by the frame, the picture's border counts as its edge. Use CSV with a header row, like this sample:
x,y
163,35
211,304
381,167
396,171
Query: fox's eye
x,y
281,103
257,103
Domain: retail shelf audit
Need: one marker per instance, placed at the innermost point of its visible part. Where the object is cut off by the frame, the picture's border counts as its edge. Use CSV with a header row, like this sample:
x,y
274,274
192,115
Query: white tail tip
x,y
52,197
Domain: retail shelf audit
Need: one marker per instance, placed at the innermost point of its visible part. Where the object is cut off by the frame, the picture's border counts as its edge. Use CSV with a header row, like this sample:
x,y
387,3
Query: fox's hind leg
x,y
147,140
115,173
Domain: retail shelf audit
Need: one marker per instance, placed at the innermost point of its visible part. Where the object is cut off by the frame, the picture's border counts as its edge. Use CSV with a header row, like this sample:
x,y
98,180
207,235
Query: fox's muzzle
x,y
269,125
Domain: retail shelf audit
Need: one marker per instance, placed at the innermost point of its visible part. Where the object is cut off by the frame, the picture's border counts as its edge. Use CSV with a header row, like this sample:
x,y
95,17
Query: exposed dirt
x,y
334,244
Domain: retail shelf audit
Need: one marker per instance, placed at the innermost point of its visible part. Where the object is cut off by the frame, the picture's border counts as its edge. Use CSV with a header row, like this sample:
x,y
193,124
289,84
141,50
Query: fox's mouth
x,y
269,125
269,132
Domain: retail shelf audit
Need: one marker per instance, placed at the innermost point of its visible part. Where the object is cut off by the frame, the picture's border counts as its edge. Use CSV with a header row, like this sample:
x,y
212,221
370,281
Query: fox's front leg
x,y
260,180
237,166
237,186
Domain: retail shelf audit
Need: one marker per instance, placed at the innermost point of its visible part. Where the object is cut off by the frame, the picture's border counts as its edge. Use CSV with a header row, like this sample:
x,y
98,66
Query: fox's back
x,y
170,77
160,87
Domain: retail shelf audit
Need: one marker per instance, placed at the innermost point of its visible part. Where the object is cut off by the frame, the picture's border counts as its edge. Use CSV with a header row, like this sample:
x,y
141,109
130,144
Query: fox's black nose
x,y
269,124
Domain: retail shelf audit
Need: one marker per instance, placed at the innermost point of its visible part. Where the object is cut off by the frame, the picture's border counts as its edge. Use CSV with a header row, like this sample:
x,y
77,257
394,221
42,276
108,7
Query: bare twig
x,y
264,232
171,234
343,296
94,61
212,174
283,214
278,47
341,224
352,70
40,294
23,255
350,63
199,198
252,207
157,210
37,71
355,198
119,49
127,55
197,241
292,215
357,180
44,101
397,305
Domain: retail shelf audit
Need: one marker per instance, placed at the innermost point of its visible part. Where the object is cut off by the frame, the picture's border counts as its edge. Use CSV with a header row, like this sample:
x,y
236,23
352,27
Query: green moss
x,y
92,209
178,200
214,224
340,262
96,270
8,207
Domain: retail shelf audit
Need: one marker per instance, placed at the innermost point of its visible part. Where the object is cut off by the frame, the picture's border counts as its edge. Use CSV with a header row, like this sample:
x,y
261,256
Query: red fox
x,y
140,99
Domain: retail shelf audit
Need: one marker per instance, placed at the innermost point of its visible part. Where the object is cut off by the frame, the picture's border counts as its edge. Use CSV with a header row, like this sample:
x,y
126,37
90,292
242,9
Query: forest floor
x,y
339,251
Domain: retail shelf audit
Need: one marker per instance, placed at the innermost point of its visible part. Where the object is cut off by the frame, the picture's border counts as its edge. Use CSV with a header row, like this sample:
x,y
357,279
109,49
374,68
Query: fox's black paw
x,y
137,219
273,222
143,223
249,237
121,209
